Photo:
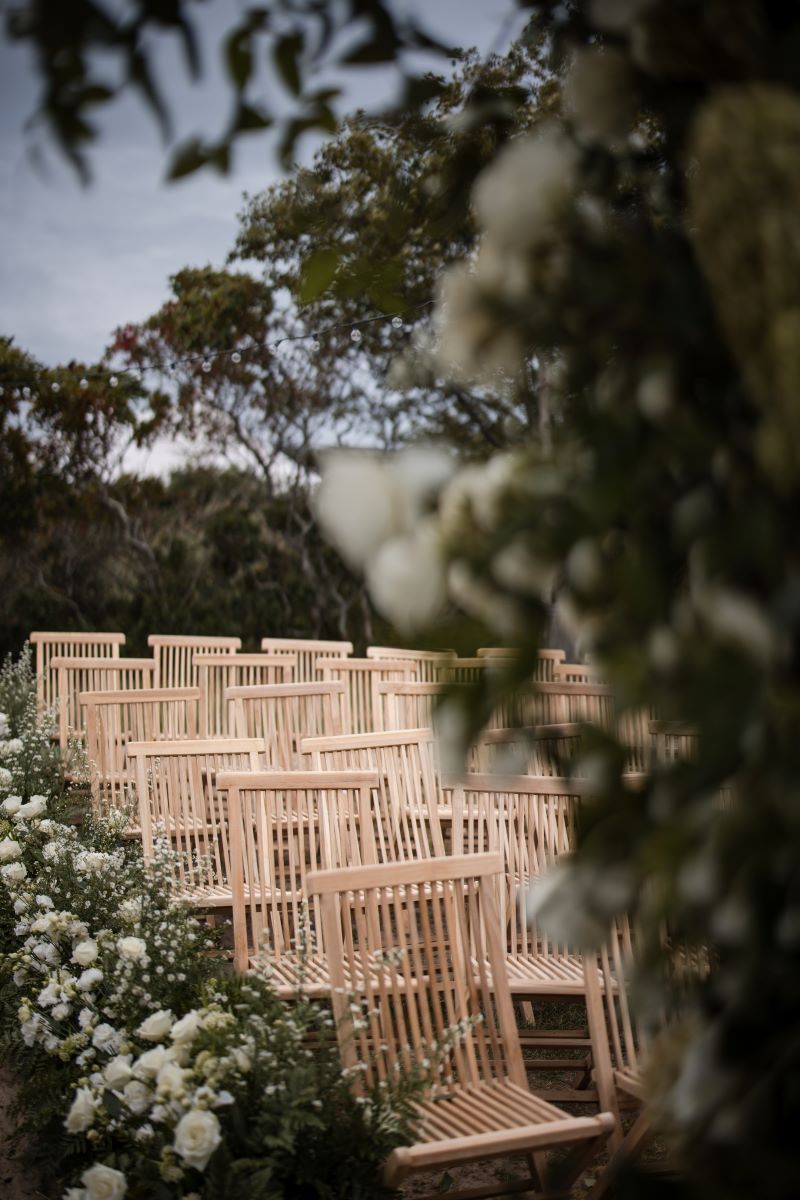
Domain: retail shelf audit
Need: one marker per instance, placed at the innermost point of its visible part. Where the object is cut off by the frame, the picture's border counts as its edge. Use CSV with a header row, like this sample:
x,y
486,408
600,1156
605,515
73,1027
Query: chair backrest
x,y
283,714
574,673
619,1045
284,824
407,806
174,655
531,822
401,940
100,674
404,705
50,645
547,665
308,650
218,672
176,787
361,677
427,662
113,719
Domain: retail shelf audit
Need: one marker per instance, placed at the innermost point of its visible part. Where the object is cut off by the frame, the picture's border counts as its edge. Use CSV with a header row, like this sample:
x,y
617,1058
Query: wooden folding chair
x,y
308,650
284,824
76,675
218,672
548,664
113,719
174,654
361,676
410,807
177,794
400,941
428,663
285,713
50,645
402,705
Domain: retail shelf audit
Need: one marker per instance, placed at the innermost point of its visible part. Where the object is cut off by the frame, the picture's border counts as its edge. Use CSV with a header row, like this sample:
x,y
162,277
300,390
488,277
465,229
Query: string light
x,y
354,328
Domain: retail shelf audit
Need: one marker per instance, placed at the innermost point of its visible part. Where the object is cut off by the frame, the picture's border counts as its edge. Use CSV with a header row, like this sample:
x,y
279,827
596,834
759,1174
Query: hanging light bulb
x,y
397,322
84,383
355,335
316,346
113,381
55,387
236,357
205,366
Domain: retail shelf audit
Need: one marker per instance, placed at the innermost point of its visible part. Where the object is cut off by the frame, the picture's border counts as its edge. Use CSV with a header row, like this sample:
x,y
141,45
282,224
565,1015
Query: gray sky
x,y
76,262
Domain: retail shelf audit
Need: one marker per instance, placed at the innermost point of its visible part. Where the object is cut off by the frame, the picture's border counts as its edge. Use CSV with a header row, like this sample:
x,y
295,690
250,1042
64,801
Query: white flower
x,y
364,499
87,979
9,848
74,1194
406,578
197,1136
132,948
49,995
130,910
526,188
137,1096
599,94
104,1183
90,861
242,1060
186,1029
501,271
105,1037
34,806
616,16
151,1062
3,724
82,1113
52,851
170,1078
5,778
60,1011
14,872
85,952
118,1072
11,804
474,343
156,1027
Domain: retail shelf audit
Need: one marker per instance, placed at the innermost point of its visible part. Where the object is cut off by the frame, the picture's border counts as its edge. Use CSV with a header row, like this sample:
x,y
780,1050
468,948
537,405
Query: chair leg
x,y
623,1153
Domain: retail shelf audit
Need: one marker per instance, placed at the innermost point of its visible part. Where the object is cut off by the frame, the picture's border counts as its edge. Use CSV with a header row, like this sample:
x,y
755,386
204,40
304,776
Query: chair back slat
x,y
218,672
283,714
428,663
361,676
307,650
174,655
76,674
115,718
50,645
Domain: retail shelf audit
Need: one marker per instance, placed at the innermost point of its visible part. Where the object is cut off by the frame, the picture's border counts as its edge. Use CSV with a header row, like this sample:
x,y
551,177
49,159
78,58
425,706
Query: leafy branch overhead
x,y
88,54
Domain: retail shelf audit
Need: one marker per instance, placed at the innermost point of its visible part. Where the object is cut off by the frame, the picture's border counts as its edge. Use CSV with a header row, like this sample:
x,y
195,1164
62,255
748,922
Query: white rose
x,y
187,1028
14,745
81,1114
36,805
9,849
132,948
197,1136
87,979
137,1096
170,1078
11,804
151,1062
14,872
85,952
156,1027
118,1072
105,1037
61,1011
527,186
104,1183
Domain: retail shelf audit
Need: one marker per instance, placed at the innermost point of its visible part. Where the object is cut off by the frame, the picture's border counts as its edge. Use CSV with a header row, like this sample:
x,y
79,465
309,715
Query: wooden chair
x,y
400,940
283,714
177,793
548,664
113,719
88,674
574,673
308,650
428,663
64,645
410,806
174,656
361,676
218,672
402,705
283,825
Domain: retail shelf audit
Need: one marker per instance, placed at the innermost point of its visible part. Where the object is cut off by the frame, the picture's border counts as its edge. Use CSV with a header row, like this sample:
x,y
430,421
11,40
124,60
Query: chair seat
x,y
541,975
488,1119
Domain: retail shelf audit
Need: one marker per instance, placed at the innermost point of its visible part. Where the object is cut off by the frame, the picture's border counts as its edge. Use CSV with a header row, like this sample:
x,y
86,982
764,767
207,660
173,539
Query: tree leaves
x,y
317,273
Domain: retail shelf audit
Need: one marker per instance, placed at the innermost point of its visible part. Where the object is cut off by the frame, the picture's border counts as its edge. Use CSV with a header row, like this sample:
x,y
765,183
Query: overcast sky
x,y
76,262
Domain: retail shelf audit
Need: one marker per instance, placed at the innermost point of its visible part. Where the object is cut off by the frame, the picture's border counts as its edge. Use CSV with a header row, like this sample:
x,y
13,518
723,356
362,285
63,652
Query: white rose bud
x,y
137,1096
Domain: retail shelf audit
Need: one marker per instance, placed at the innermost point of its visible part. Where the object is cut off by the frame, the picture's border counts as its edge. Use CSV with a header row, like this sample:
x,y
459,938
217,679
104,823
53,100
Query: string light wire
x,y
236,354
